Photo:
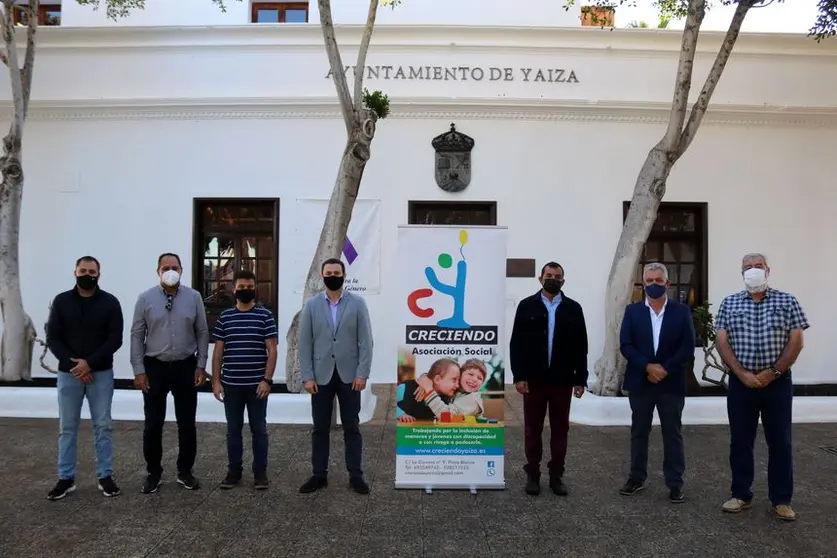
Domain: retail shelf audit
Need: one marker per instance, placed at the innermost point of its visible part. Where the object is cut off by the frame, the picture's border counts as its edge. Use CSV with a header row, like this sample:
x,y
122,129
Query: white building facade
x,y
211,141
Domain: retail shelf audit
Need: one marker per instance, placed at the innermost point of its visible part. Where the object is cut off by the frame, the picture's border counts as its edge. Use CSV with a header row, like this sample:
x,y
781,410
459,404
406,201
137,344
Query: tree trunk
x,y
360,128
648,192
18,329
333,234
651,185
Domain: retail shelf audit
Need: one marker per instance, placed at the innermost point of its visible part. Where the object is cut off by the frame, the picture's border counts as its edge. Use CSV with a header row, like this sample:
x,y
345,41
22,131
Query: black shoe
x,y
533,485
558,487
313,484
63,488
631,487
151,484
230,480
359,485
260,481
187,481
676,496
108,487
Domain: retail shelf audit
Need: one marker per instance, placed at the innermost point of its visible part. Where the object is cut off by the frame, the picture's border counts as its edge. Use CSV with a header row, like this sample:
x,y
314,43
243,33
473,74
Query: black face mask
x,y
245,295
333,282
87,282
552,286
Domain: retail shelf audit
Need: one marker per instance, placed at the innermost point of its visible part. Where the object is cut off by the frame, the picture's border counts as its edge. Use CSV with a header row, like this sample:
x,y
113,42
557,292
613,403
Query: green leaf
x,y
377,102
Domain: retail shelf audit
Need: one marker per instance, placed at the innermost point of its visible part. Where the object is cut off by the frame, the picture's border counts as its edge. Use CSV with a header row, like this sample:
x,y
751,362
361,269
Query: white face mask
x,y
170,278
755,280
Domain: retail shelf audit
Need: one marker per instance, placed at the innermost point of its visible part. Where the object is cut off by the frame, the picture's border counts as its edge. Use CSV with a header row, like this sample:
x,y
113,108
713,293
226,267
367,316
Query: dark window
x,y
48,14
452,213
231,235
678,240
280,12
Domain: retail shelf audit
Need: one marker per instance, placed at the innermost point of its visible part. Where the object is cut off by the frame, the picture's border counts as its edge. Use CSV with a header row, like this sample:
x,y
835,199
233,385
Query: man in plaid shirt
x,y
759,338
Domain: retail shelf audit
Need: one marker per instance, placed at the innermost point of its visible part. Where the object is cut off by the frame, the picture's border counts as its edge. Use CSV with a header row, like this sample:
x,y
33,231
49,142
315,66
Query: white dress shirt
x,y
656,322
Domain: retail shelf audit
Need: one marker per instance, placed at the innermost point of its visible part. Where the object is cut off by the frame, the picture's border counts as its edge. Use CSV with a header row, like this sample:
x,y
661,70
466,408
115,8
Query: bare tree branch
x,y
338,72
29,57
702,103
363,49
16,127
683,81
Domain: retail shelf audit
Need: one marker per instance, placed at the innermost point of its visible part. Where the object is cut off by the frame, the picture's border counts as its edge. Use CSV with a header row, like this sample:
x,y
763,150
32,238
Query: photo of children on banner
x,y
448,392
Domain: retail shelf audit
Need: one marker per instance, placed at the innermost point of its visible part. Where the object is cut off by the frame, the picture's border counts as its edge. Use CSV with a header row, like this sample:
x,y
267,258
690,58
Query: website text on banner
x,y
450,397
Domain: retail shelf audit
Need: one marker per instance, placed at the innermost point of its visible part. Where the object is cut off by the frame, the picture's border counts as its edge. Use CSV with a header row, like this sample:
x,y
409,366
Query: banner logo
x,y
349,251
454,329
456,291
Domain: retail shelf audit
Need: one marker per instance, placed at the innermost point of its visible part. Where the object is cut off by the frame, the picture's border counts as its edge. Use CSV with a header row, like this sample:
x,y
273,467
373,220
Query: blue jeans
x,y
71,394
236,400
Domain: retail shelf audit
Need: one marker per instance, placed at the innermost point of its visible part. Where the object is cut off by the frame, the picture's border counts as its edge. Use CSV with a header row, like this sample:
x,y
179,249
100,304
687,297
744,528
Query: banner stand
x,y
450,402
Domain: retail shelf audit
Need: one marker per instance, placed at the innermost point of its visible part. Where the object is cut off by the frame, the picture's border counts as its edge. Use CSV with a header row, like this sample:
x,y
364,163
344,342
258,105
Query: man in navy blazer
x,y
658,339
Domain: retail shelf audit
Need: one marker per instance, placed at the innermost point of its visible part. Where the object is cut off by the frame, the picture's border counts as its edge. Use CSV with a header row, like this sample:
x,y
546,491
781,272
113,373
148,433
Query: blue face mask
x,y
655,290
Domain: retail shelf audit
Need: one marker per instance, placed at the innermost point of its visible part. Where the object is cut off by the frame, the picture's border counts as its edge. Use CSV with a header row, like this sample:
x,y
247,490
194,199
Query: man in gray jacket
x,y
335,357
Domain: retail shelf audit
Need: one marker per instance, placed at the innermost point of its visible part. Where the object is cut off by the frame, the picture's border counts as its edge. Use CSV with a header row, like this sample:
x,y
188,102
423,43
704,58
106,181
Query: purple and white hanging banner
x,y
361,251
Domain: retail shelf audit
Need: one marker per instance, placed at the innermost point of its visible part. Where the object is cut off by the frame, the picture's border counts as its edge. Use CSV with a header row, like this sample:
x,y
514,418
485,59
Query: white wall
x,y
437,12
115,177
623,69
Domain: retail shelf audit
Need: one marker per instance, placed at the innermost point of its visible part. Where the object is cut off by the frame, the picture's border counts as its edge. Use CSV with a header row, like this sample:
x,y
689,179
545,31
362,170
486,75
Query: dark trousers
x,y
322,405
177,378
744,405
556,399
670,408
236,400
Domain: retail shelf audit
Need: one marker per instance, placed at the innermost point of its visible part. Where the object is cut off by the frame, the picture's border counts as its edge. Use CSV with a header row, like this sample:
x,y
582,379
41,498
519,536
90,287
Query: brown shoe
x,y
734,505
785,513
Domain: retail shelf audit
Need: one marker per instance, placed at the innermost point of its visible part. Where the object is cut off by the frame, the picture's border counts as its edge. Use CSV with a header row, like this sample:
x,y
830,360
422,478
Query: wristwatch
x,y
268,381
775,371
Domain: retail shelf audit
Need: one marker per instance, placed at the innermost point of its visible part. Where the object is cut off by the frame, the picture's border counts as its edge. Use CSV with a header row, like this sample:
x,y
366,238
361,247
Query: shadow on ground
x,y
593,521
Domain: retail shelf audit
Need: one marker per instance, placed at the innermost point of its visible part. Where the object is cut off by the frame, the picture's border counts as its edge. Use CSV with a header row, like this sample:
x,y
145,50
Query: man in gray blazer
x,y
335,357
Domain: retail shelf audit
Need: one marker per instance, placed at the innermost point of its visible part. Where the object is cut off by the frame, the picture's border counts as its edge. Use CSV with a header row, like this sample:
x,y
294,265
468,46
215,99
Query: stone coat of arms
x,y
453,160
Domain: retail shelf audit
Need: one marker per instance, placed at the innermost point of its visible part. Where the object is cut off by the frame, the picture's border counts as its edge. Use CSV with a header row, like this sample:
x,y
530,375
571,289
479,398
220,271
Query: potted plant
x,y
705,329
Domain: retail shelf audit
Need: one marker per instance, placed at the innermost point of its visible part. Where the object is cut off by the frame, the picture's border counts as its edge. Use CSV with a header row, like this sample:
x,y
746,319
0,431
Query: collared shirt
x,y
333,306
169,327
656,322
759,331
551,307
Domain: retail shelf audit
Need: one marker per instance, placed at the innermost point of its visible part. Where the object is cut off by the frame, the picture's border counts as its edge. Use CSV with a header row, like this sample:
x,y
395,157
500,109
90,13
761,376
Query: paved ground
x,y
593,521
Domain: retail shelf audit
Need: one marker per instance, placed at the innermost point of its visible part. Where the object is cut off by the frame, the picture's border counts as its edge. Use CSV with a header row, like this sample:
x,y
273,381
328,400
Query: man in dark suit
x,y
548,358
658,339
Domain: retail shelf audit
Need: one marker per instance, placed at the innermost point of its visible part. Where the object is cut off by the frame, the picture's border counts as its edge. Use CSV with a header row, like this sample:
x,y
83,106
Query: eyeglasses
x,y
169,302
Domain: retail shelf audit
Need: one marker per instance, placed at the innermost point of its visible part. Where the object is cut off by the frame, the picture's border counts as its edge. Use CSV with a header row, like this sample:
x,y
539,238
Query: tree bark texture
x,y
18,329
650,186
360,127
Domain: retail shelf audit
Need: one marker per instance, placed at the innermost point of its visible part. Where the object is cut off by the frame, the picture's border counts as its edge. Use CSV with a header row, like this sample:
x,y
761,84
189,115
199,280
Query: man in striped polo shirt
x,y
243,363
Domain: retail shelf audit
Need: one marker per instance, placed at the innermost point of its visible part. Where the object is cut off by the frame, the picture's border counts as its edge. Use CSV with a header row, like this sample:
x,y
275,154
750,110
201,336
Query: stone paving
x,y
593,521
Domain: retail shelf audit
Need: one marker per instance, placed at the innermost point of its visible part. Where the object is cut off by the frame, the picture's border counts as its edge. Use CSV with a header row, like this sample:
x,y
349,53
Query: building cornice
x,y
417,108
417,37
